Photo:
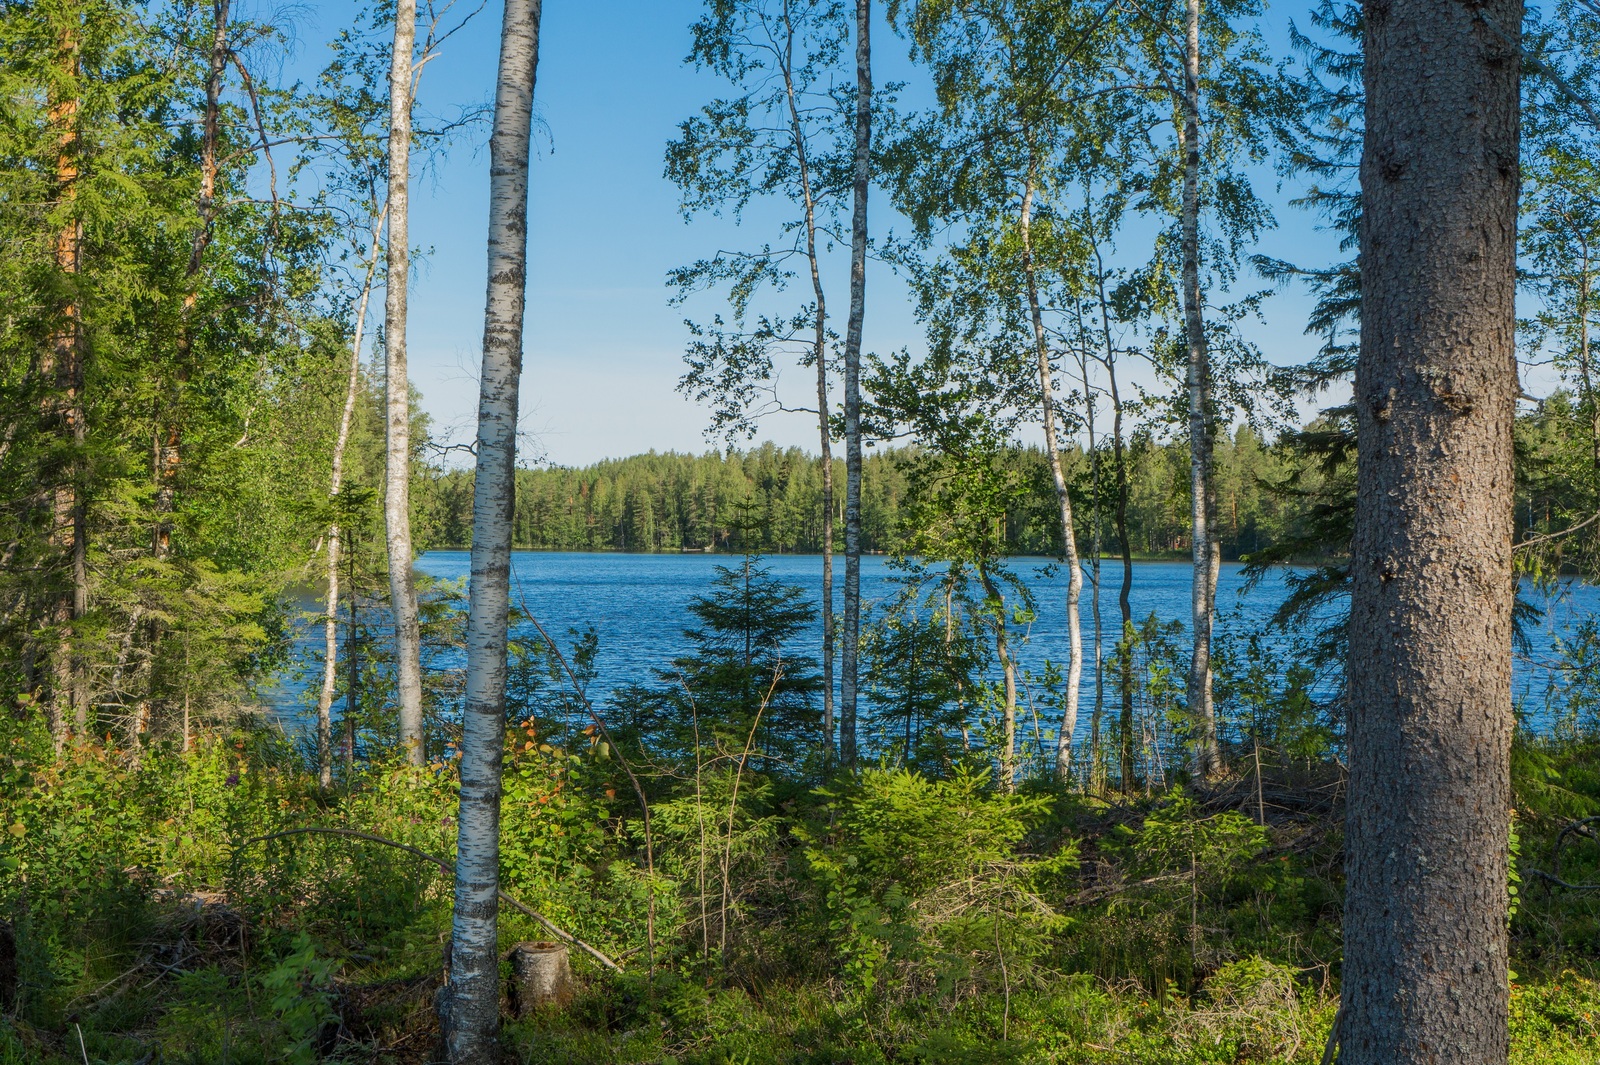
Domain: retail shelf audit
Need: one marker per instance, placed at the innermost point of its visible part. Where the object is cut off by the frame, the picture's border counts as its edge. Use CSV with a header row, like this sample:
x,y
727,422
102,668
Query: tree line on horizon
x,y
769,500
1276,499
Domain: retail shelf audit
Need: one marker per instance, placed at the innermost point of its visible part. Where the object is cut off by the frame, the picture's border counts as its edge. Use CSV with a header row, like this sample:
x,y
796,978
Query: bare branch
x,y
350,833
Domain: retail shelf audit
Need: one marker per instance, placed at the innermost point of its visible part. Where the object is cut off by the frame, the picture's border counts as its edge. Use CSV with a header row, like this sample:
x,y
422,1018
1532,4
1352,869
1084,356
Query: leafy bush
x,y
922,883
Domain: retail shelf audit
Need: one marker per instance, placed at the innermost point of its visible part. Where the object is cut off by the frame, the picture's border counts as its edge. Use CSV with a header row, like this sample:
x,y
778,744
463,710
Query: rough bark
x,y
1206,551
1069,538
470,1003
541,977
330,617
397,391
62,376
1425,940
852,384
819,353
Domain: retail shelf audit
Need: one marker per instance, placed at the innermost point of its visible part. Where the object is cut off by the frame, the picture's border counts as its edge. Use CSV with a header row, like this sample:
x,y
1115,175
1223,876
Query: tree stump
x,y
541,977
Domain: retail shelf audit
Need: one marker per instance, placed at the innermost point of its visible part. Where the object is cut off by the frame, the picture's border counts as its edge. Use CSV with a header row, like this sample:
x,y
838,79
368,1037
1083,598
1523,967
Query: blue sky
x,y
603,346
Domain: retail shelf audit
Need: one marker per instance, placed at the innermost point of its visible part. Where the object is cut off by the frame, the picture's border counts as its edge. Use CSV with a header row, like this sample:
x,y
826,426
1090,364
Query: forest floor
x,y
148,921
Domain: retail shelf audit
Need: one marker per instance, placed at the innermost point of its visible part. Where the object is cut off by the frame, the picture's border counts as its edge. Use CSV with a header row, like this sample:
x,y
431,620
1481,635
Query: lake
x,y
638,606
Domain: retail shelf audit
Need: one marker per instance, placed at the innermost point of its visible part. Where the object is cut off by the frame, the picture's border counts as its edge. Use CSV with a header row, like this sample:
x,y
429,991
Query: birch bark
x,y
819,352
1096,550
1205,549
852,385
1069,539
470,1001
330,617
397,388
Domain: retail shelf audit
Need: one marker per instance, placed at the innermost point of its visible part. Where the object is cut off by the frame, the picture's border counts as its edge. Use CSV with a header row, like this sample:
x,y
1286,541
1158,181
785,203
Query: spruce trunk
x,y
168,452
470,1001
61,375
1425,939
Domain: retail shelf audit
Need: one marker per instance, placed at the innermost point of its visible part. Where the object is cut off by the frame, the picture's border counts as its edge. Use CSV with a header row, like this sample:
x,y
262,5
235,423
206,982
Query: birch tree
x,y
341,442
778,138
1205,551
861,177
1009,73
1560,242
1223,98
470,999
358,179
961,486
397,389
349,104
1425,925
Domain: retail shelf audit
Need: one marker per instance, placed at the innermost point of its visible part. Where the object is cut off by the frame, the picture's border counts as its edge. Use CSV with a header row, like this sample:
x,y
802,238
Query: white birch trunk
x,y
470,1002
819,352
397,403
330,619
1096,549
1069,540
852,385
1206,552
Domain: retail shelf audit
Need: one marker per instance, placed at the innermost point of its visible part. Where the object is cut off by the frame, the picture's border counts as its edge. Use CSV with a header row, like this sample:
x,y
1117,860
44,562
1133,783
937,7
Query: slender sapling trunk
x,y
1206,551
1069,538
852,384
330,617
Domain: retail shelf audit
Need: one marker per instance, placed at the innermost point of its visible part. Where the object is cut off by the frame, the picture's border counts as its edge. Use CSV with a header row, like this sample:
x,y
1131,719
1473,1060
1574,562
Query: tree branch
x,y
350,833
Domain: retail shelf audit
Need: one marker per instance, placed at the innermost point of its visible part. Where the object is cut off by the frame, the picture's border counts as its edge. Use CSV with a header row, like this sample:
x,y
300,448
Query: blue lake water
x,y
638,606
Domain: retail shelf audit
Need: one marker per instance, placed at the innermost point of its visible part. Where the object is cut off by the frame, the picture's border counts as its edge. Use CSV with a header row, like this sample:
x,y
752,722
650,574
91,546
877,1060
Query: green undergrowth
x,y
162,914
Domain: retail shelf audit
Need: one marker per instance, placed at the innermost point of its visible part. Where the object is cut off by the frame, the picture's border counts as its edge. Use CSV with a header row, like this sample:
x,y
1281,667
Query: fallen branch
x,y
622,760
1583,826
1560,883
1559,533
350,833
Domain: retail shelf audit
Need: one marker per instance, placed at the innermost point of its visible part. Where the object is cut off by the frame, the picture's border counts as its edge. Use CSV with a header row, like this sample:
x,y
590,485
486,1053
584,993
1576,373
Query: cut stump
x,y
541,977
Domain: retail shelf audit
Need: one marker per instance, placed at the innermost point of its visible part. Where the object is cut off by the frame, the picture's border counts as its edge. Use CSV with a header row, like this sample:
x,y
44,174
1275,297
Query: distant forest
x,y
769,499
